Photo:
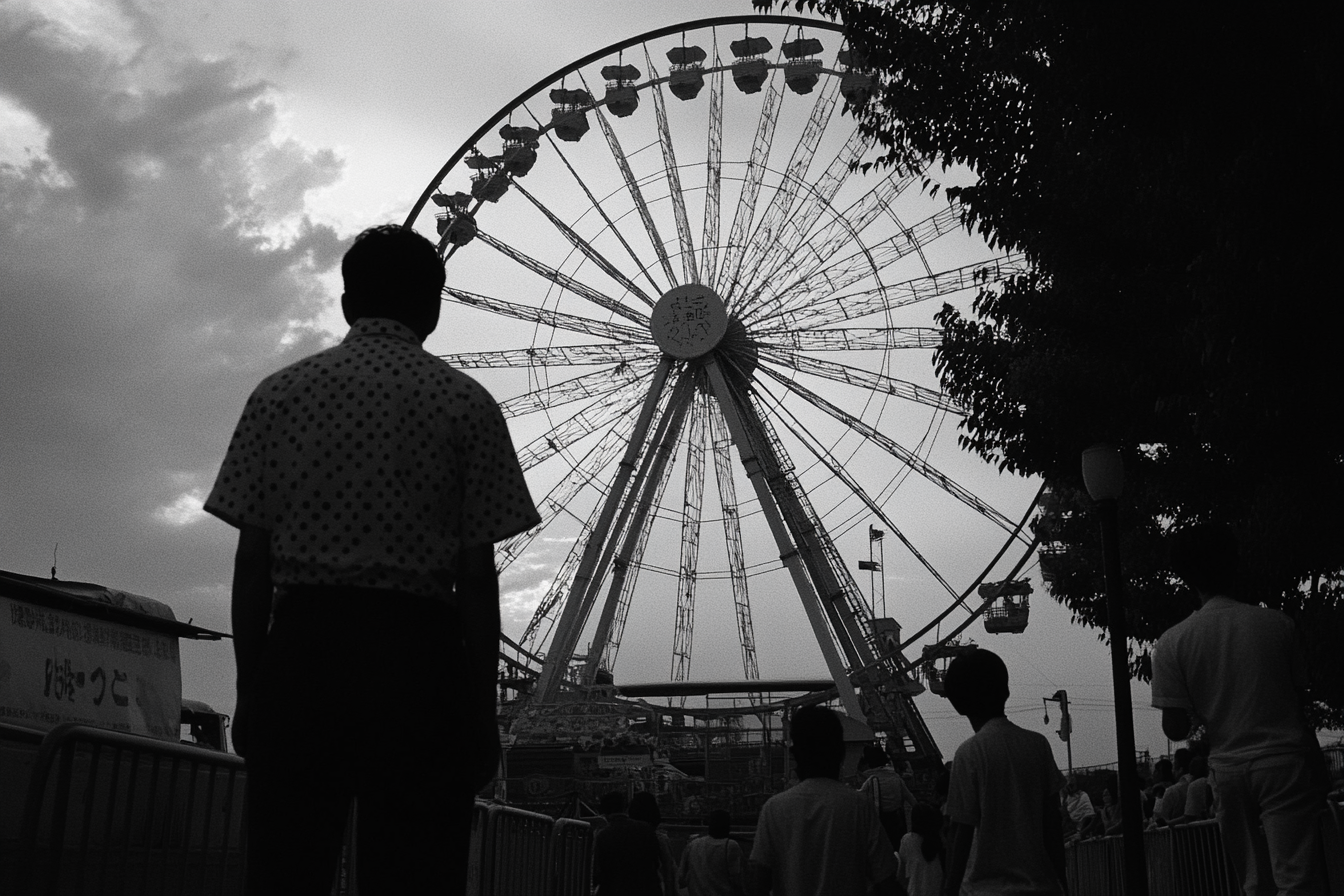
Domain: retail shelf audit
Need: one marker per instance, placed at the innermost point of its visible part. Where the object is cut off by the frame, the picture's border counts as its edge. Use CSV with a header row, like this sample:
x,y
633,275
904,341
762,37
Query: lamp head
x,y
1103,472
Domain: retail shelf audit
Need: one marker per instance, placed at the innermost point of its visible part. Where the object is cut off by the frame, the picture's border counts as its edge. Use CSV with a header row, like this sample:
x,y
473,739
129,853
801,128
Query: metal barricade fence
x,y
109,813
1096,867
572,857
516,853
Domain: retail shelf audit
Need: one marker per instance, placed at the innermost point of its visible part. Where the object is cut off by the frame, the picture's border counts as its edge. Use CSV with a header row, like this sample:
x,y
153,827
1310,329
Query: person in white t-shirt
x,y
1239,669
819,837
1003,798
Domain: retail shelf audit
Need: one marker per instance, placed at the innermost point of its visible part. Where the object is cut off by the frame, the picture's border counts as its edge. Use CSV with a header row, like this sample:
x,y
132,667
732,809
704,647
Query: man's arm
x,y
477,587
251,612
958,854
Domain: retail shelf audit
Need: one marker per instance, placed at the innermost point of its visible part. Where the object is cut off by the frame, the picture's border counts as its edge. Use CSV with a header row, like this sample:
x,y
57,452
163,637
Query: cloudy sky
x,y
177,184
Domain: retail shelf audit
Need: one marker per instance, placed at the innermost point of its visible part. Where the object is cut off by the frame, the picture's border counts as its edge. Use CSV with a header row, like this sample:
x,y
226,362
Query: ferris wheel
x,y
712,333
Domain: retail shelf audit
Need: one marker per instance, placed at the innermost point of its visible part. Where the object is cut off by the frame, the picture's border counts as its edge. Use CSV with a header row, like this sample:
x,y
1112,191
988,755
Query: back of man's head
x,y
613,802
391,271
1162,770
720,823
874,756
1199,767
1181,761
818,742
977,684
1205,556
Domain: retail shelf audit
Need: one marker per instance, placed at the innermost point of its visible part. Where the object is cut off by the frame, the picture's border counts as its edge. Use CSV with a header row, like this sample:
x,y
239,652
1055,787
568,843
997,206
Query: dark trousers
x,y
356,702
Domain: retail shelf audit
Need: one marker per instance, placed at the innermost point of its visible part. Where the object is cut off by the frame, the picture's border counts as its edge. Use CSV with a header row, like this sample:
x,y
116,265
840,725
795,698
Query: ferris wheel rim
x,y
783,175
507,109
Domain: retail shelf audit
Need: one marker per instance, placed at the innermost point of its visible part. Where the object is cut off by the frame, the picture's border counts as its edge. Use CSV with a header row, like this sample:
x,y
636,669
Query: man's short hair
x,y
874,756
720,823
818,737
977,683
390,268
613,802
1205,557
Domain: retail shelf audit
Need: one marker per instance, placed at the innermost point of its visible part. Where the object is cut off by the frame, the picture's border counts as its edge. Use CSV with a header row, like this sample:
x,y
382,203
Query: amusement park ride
x,y
659,286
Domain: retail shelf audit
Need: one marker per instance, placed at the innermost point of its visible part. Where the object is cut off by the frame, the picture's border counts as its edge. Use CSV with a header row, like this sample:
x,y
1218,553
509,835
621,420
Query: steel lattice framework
x,y
588,270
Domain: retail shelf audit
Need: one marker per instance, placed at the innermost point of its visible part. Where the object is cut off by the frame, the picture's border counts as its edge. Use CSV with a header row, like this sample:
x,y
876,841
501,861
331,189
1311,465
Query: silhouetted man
x,y
819,837
368,483
1239,668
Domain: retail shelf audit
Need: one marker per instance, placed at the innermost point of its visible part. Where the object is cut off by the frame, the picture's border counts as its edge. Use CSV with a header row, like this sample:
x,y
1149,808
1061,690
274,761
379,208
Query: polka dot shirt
x,y
370,464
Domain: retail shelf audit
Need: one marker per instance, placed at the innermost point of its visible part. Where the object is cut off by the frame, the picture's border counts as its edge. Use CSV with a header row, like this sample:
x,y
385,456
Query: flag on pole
x,y
870,566
875,534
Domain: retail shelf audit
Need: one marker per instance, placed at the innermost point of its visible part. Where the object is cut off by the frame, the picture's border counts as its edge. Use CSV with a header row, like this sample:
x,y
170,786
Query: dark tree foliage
x,y
1170,173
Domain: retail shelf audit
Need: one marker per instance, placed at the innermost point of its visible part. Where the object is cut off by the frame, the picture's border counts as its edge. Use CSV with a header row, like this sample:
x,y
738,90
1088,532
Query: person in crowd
x,y
1161,776
1173,801
1004,793
712,865
1081,810
626,854
888,791
644,807
1110,812
369,483
1159,790
1198,794
922,853
819,837
1239,668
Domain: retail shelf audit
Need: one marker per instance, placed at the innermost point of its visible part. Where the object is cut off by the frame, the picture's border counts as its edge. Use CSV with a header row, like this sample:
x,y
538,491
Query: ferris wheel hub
x,y
689,321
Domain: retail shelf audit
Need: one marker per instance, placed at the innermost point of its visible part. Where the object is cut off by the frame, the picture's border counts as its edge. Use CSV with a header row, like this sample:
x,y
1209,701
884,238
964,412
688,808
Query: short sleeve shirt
x,y
1004,779
820,838
1237,668
371,464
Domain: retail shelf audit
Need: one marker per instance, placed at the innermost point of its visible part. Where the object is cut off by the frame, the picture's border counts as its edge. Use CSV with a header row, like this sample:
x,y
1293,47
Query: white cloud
x,y
157,258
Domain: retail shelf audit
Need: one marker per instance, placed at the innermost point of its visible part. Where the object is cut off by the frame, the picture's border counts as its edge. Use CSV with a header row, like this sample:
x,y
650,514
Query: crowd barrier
x,y
1184,860
110,813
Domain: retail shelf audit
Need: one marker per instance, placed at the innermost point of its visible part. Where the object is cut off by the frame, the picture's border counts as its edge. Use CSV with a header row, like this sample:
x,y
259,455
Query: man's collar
x,y
382,326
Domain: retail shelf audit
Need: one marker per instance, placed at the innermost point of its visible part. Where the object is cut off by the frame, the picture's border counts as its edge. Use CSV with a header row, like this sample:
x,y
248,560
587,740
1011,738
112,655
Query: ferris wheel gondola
x,y
700,317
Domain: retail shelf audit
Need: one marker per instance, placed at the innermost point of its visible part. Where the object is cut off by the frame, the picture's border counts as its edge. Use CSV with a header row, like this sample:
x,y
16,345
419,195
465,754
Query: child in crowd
x,y
923,857
1003,797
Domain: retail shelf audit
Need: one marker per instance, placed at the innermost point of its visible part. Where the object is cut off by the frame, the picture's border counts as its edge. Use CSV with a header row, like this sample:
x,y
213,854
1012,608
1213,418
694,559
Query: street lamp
x,y
1104,476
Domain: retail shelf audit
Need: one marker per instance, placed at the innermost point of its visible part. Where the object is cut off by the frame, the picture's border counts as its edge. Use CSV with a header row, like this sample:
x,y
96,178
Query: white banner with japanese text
x,y
57,666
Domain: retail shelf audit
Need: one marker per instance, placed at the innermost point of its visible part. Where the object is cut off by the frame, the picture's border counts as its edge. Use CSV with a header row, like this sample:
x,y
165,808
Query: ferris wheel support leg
x,y
647,486
849,698
581,591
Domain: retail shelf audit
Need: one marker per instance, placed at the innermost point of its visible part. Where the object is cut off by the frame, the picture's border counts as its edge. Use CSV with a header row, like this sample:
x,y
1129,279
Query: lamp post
x,y
1104,475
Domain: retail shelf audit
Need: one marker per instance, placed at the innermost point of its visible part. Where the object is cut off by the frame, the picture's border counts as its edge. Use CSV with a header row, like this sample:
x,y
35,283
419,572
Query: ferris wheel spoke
x,y
896,450
564,281
690,272
548,609
833,309
597,206
843,271
598,383
713,172
770,229
586,473
557,319
857,376
781,256
600,413
587,248
549,356
840,471
633,188
692,497
843,339
751,188
720,441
